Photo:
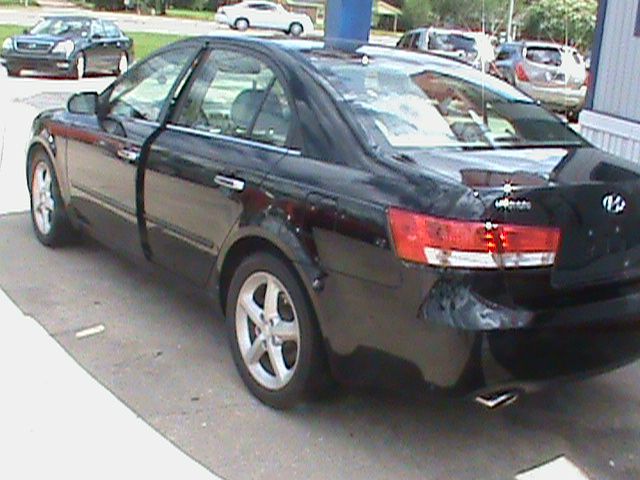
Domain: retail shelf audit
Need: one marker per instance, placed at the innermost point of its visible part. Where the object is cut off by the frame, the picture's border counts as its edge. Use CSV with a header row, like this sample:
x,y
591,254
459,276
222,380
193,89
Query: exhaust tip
x,y
495,400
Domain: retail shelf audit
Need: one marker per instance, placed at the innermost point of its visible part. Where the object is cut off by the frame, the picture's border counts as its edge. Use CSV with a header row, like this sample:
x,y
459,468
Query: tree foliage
x,y
562,21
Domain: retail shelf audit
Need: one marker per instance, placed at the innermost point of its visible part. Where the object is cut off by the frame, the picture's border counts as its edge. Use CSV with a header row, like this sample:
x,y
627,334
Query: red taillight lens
x,y
466,244
521,73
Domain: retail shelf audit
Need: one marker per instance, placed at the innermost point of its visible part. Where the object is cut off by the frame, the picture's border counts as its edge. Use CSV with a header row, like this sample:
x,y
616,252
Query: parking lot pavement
x,y
160,348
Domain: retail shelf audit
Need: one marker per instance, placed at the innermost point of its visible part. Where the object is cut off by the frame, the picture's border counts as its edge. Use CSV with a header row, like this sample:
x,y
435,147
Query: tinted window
x,y
505,53
111,30
239,96
413,42
143,91
544,55
408,105
451,42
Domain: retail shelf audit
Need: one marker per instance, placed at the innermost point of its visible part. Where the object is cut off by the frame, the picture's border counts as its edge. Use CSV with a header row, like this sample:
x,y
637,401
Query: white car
x,y
260,14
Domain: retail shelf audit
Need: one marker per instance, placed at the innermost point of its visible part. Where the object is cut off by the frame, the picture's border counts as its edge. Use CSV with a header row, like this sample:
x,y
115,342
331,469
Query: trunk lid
x,y
593,197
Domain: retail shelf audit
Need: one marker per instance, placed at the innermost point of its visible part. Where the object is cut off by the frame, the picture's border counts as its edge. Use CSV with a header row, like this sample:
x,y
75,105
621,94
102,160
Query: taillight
x,y
521,73
470,244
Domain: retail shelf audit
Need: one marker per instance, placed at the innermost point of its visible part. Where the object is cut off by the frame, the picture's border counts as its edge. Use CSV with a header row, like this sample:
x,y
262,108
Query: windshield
x,y
408,105
59,26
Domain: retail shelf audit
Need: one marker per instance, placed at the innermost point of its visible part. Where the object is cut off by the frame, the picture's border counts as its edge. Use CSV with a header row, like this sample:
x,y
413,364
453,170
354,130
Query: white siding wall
x,y
618,85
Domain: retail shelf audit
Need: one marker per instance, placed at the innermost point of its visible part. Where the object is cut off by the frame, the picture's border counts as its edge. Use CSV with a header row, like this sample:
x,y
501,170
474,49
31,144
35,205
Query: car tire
x,y
48,214
79,67
123,64
296,29
241,24
13,72
278,374
573,116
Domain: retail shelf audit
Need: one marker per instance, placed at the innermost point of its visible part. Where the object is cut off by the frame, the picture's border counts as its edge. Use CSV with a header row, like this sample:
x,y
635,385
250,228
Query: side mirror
x,y
83,103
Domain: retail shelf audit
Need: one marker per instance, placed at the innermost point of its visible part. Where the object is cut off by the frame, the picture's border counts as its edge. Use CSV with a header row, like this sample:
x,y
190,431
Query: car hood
x,y
528,167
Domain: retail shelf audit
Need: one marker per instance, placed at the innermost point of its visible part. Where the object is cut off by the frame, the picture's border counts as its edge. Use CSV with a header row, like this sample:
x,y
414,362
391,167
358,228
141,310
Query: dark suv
x,y
68,45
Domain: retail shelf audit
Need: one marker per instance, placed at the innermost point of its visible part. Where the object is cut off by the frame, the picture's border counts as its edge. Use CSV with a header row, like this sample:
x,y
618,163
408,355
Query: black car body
x,y
471,267
69,46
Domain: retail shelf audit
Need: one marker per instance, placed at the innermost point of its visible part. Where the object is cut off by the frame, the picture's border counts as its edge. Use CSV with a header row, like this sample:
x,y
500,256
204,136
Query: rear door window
x,y
237,95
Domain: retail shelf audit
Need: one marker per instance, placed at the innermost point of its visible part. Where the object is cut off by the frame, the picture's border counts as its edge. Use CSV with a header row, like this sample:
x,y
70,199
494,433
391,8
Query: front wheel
x,y
48,215
241,24
296,29
273,333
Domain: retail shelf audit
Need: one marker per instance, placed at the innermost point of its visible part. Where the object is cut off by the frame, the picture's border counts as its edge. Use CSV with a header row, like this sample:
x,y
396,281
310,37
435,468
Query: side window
x,y
413,43
144,90
238,96
504,54
110,30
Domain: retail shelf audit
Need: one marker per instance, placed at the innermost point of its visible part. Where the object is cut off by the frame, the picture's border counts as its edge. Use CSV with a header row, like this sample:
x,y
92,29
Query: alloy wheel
x,y
267,330
42,200
123,64
80,65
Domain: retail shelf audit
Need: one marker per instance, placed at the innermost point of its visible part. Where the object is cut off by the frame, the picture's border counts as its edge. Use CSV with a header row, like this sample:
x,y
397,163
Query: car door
x,y
115,44
96,50
205,169
103,150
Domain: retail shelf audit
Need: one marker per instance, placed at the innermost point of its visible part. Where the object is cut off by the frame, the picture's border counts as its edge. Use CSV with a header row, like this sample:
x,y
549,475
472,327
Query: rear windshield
x,y
407,105
545,55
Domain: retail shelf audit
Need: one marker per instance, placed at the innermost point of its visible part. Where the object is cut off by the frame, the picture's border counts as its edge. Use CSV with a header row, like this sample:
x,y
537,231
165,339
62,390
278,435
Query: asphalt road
x,y
164,353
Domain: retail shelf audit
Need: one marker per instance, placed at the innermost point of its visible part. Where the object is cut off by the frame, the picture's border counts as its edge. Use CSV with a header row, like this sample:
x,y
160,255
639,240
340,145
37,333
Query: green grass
x,y
17,3
184,13
144,43
8,31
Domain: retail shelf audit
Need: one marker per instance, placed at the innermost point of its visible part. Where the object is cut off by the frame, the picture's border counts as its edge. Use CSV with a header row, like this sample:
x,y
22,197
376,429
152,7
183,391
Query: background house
x,y
611,119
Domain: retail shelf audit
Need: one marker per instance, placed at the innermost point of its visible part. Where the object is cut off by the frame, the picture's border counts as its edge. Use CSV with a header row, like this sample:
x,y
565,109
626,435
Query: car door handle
x,y
128,155
231,183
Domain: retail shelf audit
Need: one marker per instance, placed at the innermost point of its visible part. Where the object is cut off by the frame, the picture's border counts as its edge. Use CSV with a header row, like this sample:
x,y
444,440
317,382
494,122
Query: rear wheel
x,y
79,67
49,217
123,64
273,333
296,29
241,24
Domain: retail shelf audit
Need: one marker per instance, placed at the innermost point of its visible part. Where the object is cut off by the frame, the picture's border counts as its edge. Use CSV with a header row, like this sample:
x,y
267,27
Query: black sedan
x,y
367,215
70,46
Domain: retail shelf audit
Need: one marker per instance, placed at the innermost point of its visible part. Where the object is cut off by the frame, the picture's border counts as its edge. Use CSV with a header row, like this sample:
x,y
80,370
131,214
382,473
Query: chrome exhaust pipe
x,y
497,399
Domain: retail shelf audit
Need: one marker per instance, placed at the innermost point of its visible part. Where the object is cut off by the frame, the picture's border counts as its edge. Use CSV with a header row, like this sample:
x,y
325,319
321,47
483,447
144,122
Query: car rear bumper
x,y
455,339
41,63
555,97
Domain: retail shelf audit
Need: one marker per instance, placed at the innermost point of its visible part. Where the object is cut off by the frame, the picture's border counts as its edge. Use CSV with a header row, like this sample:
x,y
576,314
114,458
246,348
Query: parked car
x,y
260,14
555,75
374,215
474,48
69,45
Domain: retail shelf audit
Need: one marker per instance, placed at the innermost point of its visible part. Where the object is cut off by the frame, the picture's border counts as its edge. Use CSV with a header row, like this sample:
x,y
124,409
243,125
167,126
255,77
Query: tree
x,y
416,13
564,21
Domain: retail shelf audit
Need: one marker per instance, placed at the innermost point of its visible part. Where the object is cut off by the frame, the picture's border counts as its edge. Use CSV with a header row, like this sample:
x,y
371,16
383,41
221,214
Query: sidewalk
x,y
58,422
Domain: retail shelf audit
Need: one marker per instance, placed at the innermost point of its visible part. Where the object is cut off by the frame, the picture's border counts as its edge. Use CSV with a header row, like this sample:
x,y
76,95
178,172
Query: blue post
x,y
348,20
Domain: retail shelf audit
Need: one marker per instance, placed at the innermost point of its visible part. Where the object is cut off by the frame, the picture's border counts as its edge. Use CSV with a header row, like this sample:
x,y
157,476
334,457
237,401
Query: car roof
x,y
70,17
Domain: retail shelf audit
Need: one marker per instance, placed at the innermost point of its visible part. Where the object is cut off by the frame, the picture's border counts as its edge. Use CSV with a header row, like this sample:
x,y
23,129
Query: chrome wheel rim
x,y
267,330
80,66
123,64
296,30
42,202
